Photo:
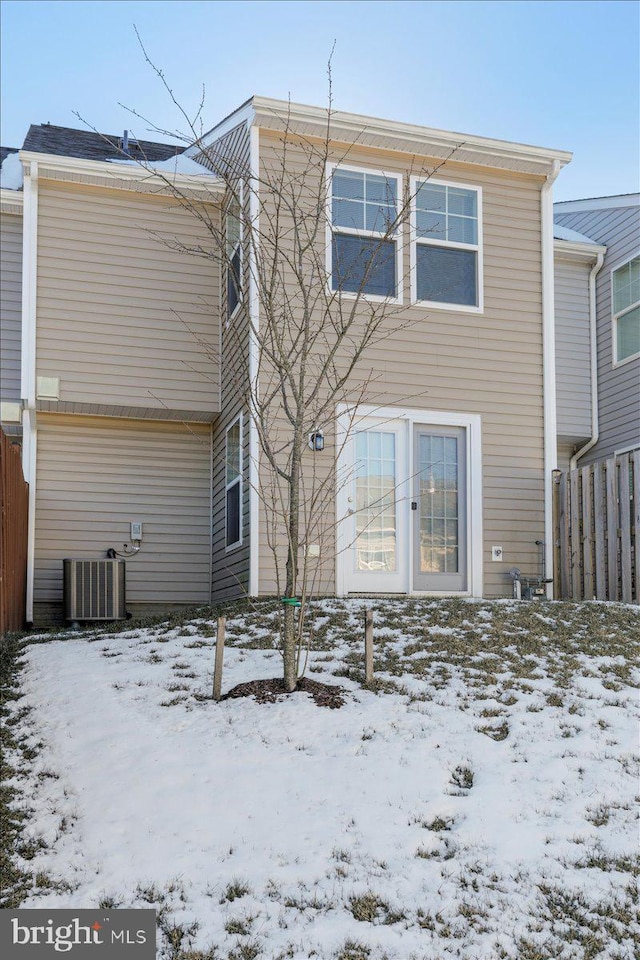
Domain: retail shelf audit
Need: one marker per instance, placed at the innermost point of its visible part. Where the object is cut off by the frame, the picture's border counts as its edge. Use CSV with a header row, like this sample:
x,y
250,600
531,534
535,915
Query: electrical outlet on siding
x,y
497,553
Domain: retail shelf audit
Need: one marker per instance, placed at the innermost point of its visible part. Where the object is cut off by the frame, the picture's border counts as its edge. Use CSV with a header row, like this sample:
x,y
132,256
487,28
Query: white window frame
x,y
227,260
239,481
416,182
368,234
616,316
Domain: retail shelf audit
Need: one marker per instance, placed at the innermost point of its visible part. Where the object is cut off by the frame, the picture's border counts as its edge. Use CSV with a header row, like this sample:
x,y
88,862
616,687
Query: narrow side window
x,y
233,485
625,292
233,235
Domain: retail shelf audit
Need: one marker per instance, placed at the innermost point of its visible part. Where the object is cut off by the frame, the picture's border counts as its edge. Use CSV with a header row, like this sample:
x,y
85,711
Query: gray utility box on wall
x,y
94,590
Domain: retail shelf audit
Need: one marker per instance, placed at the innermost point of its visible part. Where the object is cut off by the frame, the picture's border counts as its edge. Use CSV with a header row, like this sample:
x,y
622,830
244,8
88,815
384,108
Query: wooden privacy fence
x,y
14,509
597,531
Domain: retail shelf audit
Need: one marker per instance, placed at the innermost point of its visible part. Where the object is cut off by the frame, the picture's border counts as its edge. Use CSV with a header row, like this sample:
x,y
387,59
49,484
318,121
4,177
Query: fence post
x,y
587,542
565,542
557,557
217,670
611,468
625,529
576,541
599,516
368,646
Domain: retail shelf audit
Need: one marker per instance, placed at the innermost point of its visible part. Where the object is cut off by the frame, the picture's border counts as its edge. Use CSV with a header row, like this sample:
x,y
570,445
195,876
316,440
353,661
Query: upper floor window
x,y
625,292
365,246
233,484
447,253
233,237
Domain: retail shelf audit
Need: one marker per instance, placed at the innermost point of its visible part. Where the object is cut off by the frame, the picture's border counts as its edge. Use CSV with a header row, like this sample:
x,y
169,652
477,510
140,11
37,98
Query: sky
x,y
562,73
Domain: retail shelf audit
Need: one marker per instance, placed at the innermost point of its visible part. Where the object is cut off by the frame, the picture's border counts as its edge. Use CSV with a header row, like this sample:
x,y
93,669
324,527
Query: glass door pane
x,y
439,509
375,501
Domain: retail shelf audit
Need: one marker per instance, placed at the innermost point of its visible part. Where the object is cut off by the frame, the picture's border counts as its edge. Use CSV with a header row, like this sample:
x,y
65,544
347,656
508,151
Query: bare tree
x,y
305,303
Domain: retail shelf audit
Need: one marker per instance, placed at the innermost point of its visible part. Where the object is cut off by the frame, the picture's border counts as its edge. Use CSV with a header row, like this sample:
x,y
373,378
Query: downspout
x,y
548,368
254,320
28,364
595,425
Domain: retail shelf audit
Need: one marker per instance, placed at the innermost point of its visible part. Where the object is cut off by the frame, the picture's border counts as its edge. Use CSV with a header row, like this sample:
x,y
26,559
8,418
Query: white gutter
x,y
548,367
352,126
11,201
126,176
28,363
254,322
595,425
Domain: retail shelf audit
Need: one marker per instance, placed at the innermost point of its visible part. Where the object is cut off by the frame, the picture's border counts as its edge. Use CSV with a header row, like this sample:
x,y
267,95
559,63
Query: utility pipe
x,y
595,424
28,363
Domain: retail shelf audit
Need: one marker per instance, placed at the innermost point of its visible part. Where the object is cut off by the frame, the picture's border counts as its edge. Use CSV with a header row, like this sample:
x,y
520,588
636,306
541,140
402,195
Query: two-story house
x,y
140,352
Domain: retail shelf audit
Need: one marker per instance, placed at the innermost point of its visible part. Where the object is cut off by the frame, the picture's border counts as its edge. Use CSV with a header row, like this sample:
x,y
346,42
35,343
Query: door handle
x,y
414,505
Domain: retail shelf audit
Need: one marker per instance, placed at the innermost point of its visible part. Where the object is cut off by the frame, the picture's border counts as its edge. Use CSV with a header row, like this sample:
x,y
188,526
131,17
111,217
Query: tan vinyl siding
x,y
488,364
124,319
565,452
10,306
573,351
94,476
230,568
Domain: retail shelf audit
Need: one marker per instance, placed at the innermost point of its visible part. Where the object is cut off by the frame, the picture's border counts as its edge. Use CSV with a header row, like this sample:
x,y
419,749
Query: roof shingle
x,y
88,145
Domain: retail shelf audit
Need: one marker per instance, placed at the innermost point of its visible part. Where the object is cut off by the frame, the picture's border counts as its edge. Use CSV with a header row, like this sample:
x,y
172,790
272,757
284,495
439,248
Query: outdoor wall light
x,y
316,441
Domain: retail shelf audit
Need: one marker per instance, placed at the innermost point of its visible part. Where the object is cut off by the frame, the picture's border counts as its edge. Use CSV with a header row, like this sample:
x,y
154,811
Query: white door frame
x,y
347,421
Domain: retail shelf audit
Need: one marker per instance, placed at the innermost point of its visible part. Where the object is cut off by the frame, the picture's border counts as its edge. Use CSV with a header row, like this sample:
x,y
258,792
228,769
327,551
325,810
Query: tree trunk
x,y
290,637
289,648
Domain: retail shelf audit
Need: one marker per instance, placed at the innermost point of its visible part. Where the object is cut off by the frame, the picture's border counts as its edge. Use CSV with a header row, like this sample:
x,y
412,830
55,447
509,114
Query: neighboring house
x,y
131,400
612,393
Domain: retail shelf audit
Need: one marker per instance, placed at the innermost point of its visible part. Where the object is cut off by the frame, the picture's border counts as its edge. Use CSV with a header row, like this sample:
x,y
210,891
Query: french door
x,y
404,508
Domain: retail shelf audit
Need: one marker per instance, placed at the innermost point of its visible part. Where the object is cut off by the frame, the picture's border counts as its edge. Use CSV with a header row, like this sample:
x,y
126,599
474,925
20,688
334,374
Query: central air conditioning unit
x,y
94,590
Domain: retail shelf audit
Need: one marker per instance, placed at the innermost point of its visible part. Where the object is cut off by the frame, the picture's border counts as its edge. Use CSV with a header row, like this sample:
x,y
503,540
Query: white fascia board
x,y
597,203
572,250
126,177
353,125
550,417
11,201
244,114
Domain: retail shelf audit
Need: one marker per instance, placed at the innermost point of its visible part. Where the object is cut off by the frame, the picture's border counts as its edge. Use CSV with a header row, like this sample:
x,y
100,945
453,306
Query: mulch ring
x,y
268,691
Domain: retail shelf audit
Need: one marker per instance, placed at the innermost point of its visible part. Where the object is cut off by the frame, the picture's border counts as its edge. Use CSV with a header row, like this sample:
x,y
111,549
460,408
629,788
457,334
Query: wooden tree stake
x,y
368,646
217,670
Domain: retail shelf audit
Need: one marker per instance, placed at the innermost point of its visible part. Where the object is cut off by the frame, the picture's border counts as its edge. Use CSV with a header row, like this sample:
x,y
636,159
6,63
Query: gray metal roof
x,y
564,233
88,145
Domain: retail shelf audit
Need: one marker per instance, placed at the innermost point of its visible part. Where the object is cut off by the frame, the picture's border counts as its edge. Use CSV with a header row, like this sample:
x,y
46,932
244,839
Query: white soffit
x,y
366,131
124,176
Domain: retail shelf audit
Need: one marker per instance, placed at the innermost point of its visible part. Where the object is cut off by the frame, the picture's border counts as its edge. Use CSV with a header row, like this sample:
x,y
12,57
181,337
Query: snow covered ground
x,y
481,802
